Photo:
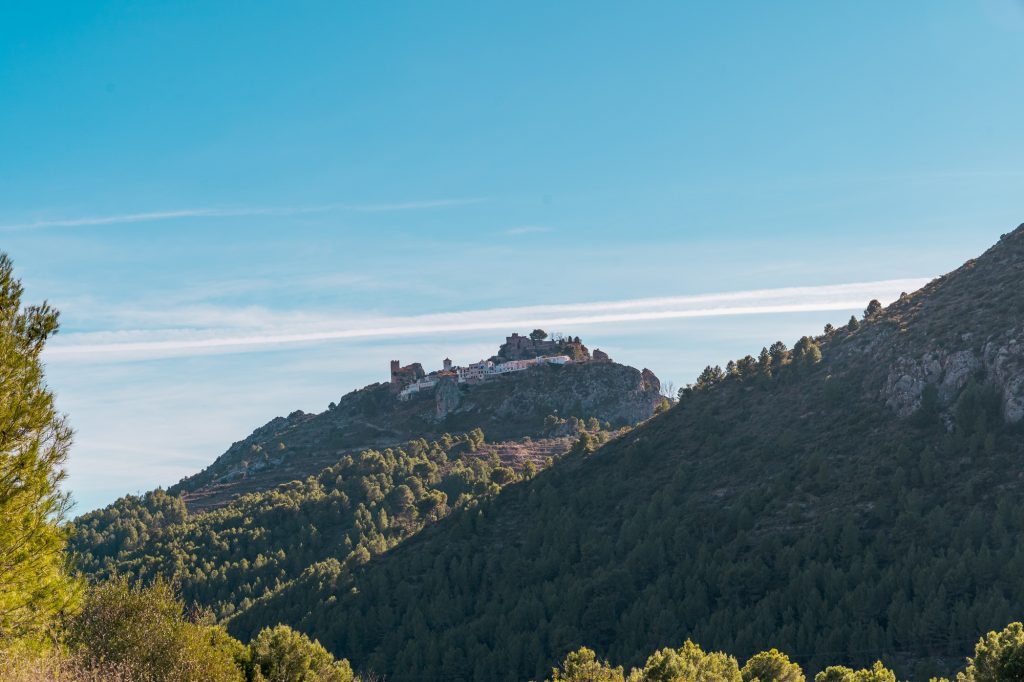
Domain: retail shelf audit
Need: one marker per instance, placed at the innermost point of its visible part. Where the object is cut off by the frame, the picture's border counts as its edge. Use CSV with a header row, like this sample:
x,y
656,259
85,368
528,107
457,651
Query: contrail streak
x,y
165,343
154,216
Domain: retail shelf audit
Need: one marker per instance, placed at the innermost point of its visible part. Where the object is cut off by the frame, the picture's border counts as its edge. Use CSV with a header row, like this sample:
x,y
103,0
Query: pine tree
x,y
997,656
709,377
764,362
583,665
807,352
779,354
34,442
771,666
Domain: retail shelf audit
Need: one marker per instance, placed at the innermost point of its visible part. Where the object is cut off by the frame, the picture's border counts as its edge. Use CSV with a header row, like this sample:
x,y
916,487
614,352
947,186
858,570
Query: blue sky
x,y
221,197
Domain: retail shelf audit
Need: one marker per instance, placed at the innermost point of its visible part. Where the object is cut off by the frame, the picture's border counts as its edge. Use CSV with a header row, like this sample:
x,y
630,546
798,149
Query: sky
x,y
244,209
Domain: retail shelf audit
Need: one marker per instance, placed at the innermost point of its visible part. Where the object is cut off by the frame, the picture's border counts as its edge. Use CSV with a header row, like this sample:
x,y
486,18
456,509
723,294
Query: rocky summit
x,y
506,405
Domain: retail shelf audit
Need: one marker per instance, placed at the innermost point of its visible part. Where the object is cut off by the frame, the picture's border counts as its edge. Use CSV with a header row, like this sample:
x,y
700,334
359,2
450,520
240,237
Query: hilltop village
x,y
517,354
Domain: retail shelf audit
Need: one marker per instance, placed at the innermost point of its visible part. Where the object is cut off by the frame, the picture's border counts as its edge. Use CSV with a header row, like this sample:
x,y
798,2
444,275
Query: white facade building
x,y
481,371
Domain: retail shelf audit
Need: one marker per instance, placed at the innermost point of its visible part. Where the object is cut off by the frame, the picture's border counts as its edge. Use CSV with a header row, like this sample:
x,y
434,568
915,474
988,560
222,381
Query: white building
x,y
475,372
480,371
417,386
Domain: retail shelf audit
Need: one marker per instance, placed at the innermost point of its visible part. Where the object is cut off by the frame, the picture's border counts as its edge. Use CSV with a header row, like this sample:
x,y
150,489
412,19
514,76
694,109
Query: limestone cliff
x,y
967,325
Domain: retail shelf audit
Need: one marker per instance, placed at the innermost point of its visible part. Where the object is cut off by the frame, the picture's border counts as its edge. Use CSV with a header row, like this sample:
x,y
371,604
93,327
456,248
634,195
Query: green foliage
x,y
34,440
779,354
764,362
928,413
977,409
722,520
689,663
709,376
574,426
998,657
583,665
786,506
56,665
228,558
807,352
772,362
747,367
838,673
771,666
280,654
145,630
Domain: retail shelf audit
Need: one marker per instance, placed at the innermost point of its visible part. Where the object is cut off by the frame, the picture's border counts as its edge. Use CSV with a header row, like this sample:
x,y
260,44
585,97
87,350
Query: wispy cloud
x,y
254,329
411,205
527,229
155,216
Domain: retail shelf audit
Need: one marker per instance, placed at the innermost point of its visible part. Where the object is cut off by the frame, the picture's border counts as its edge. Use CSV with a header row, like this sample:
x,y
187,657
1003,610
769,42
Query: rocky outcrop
x,y
446,397
1000,364
519,402
1005,367
650,381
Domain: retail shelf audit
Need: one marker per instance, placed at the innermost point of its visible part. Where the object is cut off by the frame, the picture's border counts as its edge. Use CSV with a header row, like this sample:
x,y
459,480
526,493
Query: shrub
x,y
145,630
280,654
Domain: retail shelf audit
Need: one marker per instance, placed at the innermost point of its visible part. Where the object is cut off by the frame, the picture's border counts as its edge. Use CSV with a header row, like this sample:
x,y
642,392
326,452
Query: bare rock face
x,y
649,381
1005,367
1000,364
907,380
446,397
957,369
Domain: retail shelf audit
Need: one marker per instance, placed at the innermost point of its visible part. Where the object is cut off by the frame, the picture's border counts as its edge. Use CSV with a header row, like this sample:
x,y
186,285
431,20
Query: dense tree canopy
x,y
789,491
227,558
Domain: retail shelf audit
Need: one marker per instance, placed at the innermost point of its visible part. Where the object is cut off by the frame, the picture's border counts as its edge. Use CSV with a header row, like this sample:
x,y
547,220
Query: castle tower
x,y
395,367
447,364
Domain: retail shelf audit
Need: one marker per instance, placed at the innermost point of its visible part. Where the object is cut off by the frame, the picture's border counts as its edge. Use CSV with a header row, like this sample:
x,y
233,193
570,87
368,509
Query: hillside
x,y
508,407
857,497
301,489
363,505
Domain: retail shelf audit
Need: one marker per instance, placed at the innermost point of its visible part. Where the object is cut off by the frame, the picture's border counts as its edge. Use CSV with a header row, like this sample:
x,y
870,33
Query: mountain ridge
x,y
790,502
